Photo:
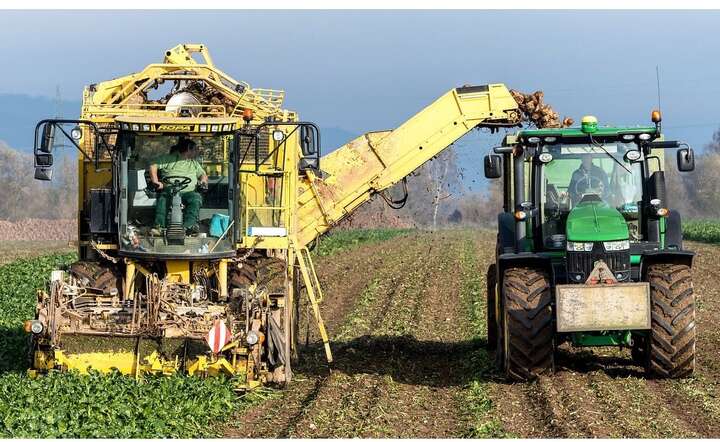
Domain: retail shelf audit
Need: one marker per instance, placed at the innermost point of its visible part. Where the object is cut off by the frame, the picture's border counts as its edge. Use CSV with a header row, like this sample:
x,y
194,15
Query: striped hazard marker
x,y
218,336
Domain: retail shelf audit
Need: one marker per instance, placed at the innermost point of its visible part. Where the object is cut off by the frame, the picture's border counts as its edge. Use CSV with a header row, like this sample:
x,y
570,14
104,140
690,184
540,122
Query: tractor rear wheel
x,y
671,345
529,337
492,325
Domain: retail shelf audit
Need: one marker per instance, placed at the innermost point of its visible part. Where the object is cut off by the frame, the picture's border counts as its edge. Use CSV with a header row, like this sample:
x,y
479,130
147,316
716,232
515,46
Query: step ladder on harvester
x,y
314,292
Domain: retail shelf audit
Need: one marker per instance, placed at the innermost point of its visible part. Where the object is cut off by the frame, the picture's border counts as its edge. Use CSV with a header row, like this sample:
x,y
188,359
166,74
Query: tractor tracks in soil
x,y
411,359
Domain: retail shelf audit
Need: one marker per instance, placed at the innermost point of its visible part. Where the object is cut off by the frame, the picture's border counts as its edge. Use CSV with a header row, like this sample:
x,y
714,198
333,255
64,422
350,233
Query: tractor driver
x,y
587,176
180,162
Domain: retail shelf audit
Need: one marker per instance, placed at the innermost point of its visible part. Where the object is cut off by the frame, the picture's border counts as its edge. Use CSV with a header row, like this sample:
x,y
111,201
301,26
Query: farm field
x,y
405,310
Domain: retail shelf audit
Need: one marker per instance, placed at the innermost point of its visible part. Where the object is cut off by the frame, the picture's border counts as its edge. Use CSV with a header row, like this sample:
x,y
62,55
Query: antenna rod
x,y
657,77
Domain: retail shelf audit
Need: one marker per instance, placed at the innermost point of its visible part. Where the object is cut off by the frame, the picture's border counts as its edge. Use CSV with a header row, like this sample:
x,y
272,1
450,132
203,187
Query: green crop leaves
x,y
72,405
19,282
702,230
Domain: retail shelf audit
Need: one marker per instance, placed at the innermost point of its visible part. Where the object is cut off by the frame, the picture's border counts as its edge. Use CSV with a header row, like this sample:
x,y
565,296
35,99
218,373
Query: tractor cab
x,y
190,211
589,185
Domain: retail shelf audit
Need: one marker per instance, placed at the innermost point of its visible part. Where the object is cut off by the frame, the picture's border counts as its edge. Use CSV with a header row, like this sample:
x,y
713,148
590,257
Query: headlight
x,y
579,246
533,140
252,338
545,157
613,246
34,326
550,139
644,137
76,133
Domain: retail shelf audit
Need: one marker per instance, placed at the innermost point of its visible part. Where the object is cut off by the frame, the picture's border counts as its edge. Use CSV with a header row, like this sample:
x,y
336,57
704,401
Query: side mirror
x,y
686,159
48,137
43,159
307,141
493,166
43,173
43,166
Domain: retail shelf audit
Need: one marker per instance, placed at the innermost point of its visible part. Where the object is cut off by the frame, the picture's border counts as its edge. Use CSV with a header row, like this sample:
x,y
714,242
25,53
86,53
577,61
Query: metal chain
x,y
103,254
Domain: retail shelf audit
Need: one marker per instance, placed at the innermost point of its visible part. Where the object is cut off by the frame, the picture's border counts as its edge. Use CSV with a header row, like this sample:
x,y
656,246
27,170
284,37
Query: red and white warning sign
x,y
218,336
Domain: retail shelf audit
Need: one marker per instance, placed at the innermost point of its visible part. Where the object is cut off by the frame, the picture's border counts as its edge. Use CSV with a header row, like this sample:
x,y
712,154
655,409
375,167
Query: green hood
x,y
595,221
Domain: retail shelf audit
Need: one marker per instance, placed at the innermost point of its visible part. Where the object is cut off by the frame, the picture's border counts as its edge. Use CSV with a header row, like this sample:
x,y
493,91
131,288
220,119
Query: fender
x,y
684,257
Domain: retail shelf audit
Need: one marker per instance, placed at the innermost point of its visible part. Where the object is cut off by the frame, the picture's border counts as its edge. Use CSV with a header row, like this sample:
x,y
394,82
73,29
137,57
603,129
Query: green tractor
x,y
588,251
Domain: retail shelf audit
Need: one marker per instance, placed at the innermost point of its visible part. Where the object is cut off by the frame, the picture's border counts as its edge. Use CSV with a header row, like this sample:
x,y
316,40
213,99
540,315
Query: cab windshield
x,y
189,212
575,173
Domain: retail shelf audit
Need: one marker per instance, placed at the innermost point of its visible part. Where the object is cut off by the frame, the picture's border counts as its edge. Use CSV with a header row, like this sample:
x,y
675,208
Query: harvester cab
x,y
186,228
589,250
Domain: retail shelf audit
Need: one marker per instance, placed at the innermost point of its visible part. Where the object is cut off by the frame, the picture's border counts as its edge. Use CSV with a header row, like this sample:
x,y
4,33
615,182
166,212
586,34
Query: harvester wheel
x,y
528,324
671,346
492,325
97,275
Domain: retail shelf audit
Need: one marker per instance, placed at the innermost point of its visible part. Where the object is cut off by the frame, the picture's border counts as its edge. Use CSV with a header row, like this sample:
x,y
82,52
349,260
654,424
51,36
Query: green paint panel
x,y
595,221
635,259
577,132
599,339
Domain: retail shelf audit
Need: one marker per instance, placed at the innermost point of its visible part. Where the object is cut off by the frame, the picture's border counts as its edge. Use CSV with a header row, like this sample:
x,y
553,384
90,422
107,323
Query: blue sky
x,y
368,70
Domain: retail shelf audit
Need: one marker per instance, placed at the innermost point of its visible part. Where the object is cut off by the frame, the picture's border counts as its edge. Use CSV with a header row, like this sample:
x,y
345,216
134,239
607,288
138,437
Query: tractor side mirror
x,y
47,139
686,159
493,166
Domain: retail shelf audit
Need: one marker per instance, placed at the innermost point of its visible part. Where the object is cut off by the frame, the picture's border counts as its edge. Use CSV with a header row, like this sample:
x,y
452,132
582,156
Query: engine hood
x,y
595,221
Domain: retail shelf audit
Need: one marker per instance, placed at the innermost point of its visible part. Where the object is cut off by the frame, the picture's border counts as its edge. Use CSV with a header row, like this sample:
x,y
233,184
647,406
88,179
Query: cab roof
x,y
175,120
577,131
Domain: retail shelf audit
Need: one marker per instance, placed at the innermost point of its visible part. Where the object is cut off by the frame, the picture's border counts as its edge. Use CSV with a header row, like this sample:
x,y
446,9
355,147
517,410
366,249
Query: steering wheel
x,y
589,179
176,182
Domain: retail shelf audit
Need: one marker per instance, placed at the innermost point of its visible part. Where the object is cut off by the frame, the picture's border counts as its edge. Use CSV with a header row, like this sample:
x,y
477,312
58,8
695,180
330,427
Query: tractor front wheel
x,y
671,345
529,337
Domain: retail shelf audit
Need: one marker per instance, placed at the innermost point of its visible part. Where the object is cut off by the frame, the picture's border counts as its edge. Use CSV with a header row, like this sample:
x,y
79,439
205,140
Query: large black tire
x,y
671,347
492,325
528,324
99,275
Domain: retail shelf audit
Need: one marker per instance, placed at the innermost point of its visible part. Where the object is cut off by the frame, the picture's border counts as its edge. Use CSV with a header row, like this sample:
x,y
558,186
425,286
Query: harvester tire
x,y
492,326
96,275
671,346
528,324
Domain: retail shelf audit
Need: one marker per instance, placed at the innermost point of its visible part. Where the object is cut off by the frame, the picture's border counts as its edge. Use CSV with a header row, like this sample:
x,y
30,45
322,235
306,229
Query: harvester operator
x,y
587,176
179,162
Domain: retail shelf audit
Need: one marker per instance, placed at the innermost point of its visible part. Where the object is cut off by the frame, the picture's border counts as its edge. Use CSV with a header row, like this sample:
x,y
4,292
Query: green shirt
x,y
174,164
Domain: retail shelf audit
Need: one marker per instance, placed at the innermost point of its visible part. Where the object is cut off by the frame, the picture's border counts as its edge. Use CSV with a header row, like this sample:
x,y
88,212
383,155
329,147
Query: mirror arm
x,y
77,146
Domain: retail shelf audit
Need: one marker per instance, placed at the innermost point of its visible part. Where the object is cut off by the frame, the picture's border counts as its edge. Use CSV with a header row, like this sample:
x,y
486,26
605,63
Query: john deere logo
x,y
175,128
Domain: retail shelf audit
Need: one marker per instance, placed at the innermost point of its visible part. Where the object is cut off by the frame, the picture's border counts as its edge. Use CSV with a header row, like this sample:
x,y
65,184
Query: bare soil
x,y
406,356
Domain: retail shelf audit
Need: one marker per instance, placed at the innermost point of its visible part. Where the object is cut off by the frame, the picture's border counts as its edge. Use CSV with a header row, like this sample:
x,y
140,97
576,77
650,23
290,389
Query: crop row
x,y
702,230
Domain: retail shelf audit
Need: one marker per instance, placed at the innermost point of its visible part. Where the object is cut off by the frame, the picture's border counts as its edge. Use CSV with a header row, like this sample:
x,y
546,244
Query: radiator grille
x,y
583,262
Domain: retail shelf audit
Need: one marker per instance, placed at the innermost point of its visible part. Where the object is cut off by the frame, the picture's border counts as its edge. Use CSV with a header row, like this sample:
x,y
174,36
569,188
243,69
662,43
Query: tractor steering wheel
x,y
176,182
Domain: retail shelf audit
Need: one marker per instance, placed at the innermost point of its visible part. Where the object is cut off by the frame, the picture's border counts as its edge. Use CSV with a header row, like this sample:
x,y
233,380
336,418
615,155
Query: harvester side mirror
x,y
686,159
43,159
308,144
43,166
493,166
48,137
43,173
